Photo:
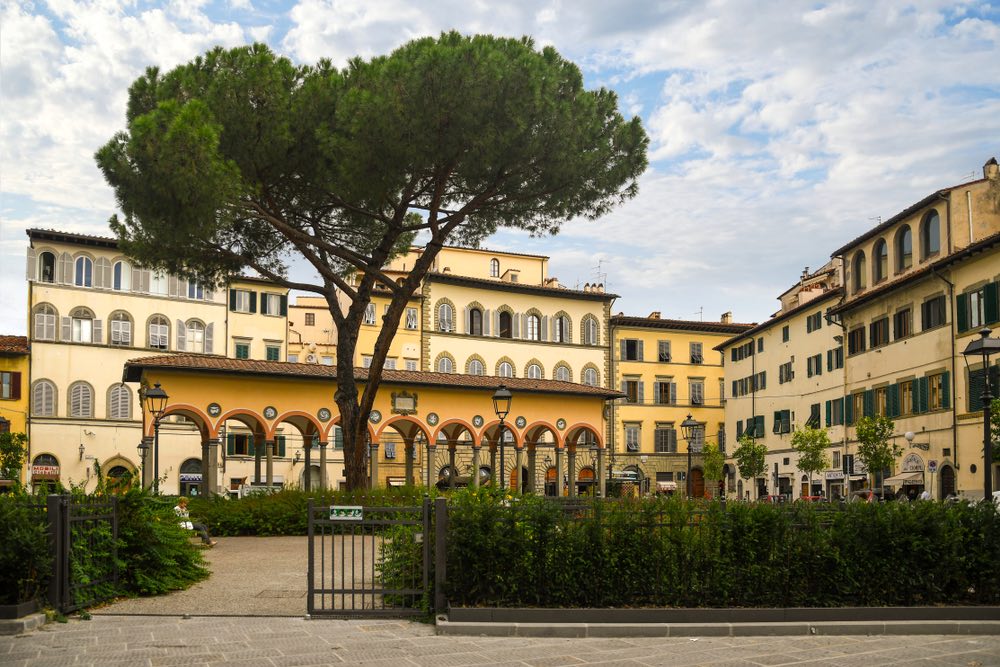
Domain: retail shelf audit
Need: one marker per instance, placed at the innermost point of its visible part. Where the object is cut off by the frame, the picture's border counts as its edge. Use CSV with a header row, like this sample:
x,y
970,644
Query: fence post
x,y
440,553
55,509
312,572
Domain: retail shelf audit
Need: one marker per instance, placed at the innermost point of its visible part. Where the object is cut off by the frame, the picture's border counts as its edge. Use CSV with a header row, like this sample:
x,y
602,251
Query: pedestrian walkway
x,y
147,641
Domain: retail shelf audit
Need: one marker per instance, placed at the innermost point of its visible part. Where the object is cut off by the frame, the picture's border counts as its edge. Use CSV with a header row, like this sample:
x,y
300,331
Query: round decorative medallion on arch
x,y
214,410
374,416
324,414
477,421
433,419
521,422
270,412
561,424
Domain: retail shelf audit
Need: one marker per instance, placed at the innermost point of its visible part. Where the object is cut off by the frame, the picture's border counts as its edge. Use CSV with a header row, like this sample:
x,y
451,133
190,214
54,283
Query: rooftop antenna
x,y
700,313
599,273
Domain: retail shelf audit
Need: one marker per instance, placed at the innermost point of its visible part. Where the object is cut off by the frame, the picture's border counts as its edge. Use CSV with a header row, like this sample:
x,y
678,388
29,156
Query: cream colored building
x,y
783,374
667,369
91,311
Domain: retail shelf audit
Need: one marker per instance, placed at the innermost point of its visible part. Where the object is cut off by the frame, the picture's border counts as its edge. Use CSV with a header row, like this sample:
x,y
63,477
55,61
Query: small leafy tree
x,y
875,449
13,454
712,462
811,444
750,457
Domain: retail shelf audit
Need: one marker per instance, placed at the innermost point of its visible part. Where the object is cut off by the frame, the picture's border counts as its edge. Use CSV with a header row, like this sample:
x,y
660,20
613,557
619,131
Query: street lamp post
x,y
688,427
143,450
985,347
501,406
156,403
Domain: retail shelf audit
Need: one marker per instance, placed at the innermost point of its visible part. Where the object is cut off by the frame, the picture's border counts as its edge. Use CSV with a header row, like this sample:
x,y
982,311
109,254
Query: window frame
x,y
880,261
83,271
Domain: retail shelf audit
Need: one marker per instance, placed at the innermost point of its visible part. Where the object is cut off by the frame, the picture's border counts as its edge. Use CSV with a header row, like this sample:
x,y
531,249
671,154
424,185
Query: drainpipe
x,y
954,376
843,372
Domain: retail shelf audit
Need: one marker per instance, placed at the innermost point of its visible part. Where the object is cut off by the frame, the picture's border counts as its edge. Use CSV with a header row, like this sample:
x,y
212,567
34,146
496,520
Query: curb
x,y
606,630
19,626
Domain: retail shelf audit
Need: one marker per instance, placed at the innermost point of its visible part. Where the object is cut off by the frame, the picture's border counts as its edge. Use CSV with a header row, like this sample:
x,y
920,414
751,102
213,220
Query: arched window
x,y
158,283
562,373
45,322
590,331
122,279
475,322
159,333
47,267
196,290
930,235
195,336
83,275
445,365
859,271
84,328
590,377
120,328
880,261
904,248
446,317
534,327
506,325
505,370
495,268
119,402
560,329
535,372
43,399
81,400
476,367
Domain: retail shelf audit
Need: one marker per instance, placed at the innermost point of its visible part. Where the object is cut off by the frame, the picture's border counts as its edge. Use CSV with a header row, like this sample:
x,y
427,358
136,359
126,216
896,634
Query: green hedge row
x,y
666,552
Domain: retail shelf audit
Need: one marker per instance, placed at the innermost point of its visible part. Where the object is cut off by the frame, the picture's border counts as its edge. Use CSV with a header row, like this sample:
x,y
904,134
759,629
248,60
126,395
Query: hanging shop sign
x,y
912,463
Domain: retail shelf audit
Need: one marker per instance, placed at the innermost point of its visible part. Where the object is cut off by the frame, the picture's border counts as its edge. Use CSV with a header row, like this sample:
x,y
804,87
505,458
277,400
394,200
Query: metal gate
x,y
369,561
84,538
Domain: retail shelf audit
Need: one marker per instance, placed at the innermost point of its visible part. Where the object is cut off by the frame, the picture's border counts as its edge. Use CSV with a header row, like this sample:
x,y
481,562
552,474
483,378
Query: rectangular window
x,y
663,350
665,439
390,449
631,391
879,332
240,300
814,321
760,344
242,350
785,372
696,357
272,304
411,364
813,421
390,364
239,444
906,397
836,460
10,385
411,318
631,350
856,341
369,314
837,416
310,319
366,361
82,330
666,392
273,352
782,421
697,389
902,323
632,435
880,401
936,391
814,365
933,313
784,334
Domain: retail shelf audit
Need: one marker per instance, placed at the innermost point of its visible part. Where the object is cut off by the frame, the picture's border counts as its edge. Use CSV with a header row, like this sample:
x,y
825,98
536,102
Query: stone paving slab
x,y
120,641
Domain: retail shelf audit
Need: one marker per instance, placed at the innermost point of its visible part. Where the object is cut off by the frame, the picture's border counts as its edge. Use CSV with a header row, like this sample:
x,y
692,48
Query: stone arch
x,y
488,435
525,335
437,362
451,427
580,429
567,327
407,426
466,318
503,359
562,364
306,423
474,357
200,419
436,315
161,339
252,420
535,362
534,430
584,324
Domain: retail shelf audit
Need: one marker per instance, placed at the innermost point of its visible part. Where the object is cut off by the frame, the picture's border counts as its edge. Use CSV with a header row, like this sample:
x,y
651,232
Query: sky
x,y
778,130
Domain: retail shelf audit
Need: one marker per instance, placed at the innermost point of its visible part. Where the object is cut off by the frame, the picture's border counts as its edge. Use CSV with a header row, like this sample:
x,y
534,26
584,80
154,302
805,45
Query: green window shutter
x,y
739,428
974,396
963,314
849,409
991,308
263,304
869,403
253,302
279,443
786,421
917,400
892,400
232,299
946,389
829,413
621,351
230,444
924,393
250,445
777,422
759,428
284,305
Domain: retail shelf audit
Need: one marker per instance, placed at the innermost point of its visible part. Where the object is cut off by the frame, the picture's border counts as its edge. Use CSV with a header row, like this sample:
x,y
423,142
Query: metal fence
x,y
83,536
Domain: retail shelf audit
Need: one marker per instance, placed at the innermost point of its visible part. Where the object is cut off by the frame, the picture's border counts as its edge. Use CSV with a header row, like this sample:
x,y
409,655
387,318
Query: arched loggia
x,y
404,433
310,433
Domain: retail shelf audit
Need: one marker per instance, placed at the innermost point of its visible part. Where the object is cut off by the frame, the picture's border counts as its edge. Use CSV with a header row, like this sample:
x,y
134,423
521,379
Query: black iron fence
x,y
84,540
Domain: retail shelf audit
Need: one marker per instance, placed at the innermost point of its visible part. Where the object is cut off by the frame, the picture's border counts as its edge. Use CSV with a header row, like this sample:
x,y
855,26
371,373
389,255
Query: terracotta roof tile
x,y
204,362
14,344
679,325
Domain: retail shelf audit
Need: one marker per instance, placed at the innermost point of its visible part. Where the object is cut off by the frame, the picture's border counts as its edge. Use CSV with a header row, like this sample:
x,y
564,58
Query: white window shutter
x,y
673,393
517,326
103,275
209,334
209,294
126,334
545,327
641,390
98,337
553,324
496,323
67,329
31,266
465,321
136,279
640,351
181,336
486,322
146,277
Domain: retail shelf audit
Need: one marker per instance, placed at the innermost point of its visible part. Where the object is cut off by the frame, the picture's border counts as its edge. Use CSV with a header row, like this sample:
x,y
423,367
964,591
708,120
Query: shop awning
x,y
666,486
905,478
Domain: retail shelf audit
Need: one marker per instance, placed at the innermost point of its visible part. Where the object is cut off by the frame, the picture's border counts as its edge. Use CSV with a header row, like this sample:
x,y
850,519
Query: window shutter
x,y
253,301
486,322
67,329
829,360
739,428
869,403
892,400
759,429
829,413
209,332
263,304
173,288
641,390
673,393
516,326
181,336
31,266
946,389
98,332
924,393
545,327
230,444
622,350
102,273
925,309
640,351
672,440
466,324
136,279
232,299
496,323
283,305
849,409
66,269
963,314
786,421
991,307
15,385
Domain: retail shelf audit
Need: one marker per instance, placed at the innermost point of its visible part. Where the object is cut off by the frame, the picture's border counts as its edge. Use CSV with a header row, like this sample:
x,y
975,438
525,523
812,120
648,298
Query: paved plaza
x,y
149,641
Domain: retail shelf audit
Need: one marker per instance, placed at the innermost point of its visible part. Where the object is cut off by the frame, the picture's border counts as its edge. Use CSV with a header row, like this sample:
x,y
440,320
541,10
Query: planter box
x,y
8,611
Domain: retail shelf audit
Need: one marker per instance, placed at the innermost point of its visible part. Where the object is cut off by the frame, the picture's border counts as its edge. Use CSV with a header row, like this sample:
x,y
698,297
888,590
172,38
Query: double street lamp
x,y
985,347
689,428
156,403
501,406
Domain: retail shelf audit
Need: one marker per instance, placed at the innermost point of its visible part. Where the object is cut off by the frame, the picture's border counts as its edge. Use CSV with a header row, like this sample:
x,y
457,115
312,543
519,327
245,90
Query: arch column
x,y
572,472
210,453
532,472
451,465
269,454
408,448
475,464
493,466
323,482
373,454
601,476
518,467
431,449
258,455
147,465
560,471
307,446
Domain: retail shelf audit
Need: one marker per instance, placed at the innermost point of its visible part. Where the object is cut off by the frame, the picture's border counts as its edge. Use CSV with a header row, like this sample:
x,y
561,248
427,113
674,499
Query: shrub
x,y
25,559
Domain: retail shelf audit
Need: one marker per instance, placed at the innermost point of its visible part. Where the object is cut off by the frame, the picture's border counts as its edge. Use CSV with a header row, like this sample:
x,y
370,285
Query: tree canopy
x,y
875,449
241,158
750,457
811,444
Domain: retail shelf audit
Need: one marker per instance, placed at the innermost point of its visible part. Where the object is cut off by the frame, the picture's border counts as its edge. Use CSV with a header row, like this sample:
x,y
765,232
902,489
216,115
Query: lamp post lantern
x,y
688,428
985,347
156,403
501,406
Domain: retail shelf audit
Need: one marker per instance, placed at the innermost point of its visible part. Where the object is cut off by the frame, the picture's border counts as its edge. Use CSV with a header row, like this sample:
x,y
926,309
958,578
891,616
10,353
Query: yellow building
x,y
667,370
920,287
14,373
91,310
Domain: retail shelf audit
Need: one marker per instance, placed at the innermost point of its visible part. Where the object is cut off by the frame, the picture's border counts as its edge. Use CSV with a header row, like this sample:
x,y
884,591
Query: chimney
x,y
990,169
727,317
805,273
586,287
655,315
